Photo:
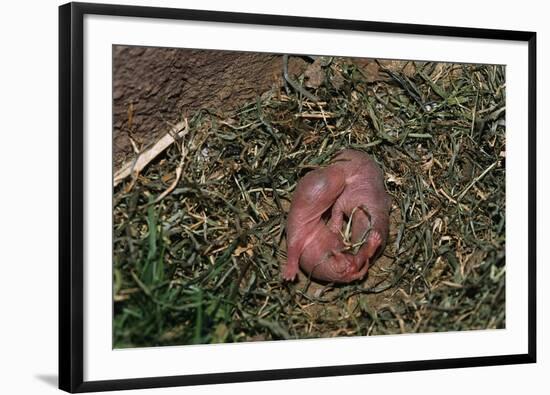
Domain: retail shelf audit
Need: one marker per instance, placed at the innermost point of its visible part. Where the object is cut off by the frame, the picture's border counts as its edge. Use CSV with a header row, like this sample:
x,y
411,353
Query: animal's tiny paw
x,y
290,272
375,238
373,243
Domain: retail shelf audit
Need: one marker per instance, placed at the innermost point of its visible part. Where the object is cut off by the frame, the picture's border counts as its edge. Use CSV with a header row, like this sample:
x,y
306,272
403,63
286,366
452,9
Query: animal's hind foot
x,y
363,258
373,243
290,272
357,274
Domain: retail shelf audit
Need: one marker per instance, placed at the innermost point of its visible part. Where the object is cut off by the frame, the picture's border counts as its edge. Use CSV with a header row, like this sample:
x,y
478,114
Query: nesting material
x,y
201,262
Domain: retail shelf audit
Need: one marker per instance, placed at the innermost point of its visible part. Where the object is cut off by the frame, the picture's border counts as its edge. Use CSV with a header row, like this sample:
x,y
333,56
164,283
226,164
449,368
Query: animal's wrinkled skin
x,y
352,186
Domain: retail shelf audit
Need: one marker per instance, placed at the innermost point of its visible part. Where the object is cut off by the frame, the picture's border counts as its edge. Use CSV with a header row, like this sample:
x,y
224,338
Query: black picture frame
x,y
71,197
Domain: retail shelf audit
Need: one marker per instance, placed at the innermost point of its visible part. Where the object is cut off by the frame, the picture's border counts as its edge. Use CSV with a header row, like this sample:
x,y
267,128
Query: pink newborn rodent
x,y
352,186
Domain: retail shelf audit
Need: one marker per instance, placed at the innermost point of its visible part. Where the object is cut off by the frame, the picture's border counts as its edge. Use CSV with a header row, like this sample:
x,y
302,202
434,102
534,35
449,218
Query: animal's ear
x,y
337,254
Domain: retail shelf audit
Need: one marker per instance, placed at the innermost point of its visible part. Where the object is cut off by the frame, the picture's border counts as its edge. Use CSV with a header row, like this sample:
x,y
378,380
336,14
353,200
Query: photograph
x,y
280,196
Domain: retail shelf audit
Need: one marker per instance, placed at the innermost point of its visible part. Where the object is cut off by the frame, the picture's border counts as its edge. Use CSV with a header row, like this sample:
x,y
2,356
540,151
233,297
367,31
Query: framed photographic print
x,y
251,197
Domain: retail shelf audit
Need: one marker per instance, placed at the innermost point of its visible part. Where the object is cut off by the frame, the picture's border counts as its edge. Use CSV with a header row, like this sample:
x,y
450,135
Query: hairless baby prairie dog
x,y
352,186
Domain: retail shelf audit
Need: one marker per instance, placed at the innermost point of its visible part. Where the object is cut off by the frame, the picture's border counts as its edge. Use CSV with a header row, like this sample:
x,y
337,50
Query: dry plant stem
x,y
179,170
135,166
487,170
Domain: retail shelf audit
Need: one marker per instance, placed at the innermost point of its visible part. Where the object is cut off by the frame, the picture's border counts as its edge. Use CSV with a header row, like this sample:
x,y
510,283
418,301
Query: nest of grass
x,y
201,264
